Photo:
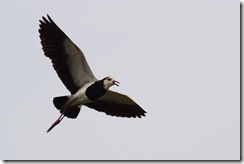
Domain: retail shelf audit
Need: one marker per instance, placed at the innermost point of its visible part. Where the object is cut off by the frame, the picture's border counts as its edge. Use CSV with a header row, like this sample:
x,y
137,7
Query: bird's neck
x,y
95,90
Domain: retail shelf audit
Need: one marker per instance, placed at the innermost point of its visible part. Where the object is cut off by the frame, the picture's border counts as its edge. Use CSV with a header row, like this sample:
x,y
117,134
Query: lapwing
x,y
73,70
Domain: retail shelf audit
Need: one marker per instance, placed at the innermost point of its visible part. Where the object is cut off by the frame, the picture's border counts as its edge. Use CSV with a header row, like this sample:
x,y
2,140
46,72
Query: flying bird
x,y
72,68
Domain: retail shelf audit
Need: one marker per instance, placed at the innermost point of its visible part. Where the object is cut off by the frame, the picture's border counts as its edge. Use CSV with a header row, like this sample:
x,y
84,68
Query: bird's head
x,y
109,81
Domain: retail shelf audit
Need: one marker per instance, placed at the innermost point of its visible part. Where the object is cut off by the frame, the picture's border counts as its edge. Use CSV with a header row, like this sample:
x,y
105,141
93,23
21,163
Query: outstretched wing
x,y
116,104
68,60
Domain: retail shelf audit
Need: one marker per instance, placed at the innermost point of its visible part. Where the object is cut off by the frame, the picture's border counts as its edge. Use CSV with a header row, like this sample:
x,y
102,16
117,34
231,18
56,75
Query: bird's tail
x,y
71,112
59,103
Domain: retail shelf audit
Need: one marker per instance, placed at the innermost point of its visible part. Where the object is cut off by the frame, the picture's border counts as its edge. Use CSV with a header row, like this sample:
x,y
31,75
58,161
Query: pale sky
x,y
179,60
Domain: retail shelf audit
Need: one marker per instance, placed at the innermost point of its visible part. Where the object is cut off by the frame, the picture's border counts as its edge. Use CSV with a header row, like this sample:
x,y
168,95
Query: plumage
x,y
75,73
116,104
95,91
68,60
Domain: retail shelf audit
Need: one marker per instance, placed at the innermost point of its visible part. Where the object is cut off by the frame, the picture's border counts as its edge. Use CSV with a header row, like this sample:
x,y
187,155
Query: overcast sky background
x,y
180,60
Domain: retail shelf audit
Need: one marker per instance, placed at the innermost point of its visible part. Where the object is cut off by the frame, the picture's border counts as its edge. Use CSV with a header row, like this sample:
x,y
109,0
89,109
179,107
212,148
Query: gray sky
x,y
179,60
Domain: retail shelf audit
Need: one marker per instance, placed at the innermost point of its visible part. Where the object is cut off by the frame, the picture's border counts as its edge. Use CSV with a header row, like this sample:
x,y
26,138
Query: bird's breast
x,y
95,91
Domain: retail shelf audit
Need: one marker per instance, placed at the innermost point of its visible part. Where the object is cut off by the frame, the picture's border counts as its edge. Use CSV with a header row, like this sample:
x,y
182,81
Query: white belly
x,y
80,95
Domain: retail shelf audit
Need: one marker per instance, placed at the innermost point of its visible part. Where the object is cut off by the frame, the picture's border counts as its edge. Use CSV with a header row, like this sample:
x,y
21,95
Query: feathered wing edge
x,y
116,104
68,60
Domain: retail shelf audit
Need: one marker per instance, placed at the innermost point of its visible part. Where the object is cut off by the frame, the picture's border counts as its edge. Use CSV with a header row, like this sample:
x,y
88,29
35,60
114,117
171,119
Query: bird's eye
x,y
109,79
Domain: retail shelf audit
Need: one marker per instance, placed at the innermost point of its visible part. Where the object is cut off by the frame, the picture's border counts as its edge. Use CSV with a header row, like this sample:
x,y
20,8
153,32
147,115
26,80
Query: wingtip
x,y
142,114
49,17
46,19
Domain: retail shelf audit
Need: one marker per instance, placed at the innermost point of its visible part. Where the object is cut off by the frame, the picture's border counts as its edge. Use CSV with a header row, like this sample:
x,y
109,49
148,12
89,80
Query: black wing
x,y
116,104
68,60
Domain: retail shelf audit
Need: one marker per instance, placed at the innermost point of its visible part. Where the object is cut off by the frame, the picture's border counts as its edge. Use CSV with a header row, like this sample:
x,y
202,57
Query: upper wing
x,y
68,60
116,104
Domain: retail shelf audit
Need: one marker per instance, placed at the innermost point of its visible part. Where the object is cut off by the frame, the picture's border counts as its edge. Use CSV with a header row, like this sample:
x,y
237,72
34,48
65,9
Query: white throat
x,y
106,85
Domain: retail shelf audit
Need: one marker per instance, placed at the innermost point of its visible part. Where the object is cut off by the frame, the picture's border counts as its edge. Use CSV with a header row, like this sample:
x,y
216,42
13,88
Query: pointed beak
x,y
116,83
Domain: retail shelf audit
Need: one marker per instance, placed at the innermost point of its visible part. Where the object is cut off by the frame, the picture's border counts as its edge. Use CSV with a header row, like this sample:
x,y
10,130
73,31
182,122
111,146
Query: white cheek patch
x,y
107,84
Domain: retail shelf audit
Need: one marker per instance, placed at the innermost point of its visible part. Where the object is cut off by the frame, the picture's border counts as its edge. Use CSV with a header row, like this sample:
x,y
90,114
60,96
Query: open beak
x,y
116,83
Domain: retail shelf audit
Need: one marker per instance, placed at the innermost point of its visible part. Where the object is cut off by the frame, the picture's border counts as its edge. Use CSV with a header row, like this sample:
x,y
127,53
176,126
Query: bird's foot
x,y
53,125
